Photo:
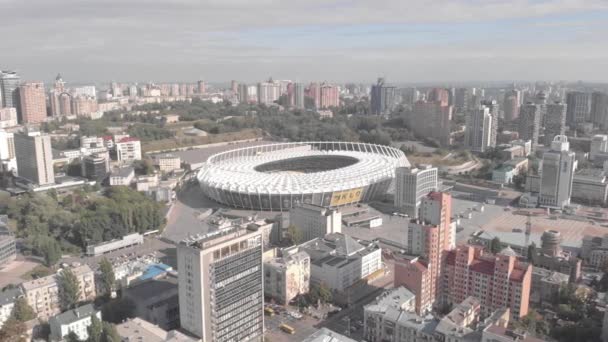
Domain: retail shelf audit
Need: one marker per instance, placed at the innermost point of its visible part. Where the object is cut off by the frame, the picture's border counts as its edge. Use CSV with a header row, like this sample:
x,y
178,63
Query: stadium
x,y
280,176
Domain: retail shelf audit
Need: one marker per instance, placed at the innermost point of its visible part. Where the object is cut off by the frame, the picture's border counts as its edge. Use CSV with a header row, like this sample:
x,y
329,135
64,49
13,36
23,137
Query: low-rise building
x,y
145,182
128,149
315,221
116,244
168,162
458,325
140,330
96,166
42,294
503,174
7,303
546,285
8,249
75,320
326,335
287,276
156,300
122,176
413,273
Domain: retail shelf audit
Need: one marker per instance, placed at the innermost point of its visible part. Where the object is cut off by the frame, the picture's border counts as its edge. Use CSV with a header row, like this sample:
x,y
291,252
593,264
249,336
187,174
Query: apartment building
x,y
287,276
77,321
128,149
411,185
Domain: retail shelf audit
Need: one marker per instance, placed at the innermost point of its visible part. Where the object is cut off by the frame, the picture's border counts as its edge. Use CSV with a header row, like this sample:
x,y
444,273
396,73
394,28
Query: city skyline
x,y
406,41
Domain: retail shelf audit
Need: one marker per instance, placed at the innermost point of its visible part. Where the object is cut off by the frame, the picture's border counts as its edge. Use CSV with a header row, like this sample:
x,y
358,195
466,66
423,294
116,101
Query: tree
x,y
13,331
72,337
95,330
532,253
48,248
22,311
294,235
107,277
109,333
118,310
69,289
495,245
325,294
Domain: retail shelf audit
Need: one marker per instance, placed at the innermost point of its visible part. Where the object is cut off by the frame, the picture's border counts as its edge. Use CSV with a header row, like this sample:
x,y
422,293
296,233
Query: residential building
x,y
511,105
461,100
501,333
338,261
7,151
326,335
7,303
578,108
9,90
546,285
330,96
298,95
432,120
383,98
73,321
8,117
478,132
8,249
493,107
156,300
84,105
139,330
599,109
268,92
221,294
32,102
411,185
498,281
128,149
529,123
168,162
34,157
557,174
555,121
439,95
287,276
42,294
122,176
314,221
460,323
96,166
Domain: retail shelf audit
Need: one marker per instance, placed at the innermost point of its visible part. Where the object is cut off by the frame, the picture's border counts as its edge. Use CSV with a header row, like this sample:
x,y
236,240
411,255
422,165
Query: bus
x,y
268,311
286,328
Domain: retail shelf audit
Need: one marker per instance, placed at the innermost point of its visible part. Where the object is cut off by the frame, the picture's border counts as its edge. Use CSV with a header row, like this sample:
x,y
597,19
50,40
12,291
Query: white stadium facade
x,y
284,175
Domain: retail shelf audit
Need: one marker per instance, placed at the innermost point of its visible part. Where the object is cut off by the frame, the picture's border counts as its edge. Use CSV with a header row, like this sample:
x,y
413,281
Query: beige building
x,y
34,157
168,162
315,221
8,117
33,102
287,276
42,294
221,285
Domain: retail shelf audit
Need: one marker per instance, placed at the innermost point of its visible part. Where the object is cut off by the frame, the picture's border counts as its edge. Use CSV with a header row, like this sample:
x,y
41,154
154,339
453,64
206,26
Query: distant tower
x,y
528,229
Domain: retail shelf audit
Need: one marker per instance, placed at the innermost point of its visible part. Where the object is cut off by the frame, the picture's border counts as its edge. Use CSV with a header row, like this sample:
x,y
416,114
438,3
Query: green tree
x,y
107,277
95,330
294,235
13,331
325,294
69,289
109,333
72,337
49,249
22,311
495,245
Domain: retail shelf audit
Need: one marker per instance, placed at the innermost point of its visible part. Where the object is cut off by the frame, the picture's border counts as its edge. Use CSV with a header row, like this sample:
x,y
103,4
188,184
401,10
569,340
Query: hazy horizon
x,y
408,41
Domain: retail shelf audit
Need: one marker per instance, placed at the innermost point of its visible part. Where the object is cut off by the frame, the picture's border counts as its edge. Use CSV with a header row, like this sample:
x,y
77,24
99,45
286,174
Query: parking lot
x,y
303,327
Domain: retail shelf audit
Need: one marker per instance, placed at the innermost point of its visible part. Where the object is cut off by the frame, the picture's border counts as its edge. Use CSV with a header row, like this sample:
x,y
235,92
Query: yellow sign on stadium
x,y
346,197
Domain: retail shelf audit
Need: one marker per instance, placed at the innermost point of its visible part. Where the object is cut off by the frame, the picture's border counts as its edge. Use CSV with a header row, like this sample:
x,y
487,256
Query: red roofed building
x,y
128,149
498,281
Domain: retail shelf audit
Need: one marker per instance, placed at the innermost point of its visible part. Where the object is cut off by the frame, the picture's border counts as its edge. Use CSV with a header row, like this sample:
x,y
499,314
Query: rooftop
x,y
51,279
9,296
397,298
123,172
326,335
74,315
139,330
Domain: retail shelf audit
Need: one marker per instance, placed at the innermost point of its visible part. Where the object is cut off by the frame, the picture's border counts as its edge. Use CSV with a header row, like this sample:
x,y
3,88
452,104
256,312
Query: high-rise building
x,y
555,121
60,100
7,150
298,95
84,105
221,292
9,89
541,101
234,86
243,93
411,185
511,105
128,149
8,117
599,109
268,92
498,281
314,93
330,96
440,95
478,131
432,120
34,157
599,146
202,88
492,105
461,100
529,123
383,98
33,102
578,108
557,174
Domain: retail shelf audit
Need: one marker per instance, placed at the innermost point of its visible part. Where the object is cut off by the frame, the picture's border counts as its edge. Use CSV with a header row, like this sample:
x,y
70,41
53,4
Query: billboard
x,y
346,197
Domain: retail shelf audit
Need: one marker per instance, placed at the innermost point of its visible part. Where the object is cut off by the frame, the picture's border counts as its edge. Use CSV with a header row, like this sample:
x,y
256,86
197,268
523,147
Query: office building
x,y
32,102
156,299
432,120
34,157
557,174
128,149
298,95
168,162
8,117
578,108
498,281
42,293
287,276
9,90
268,92
221,292
7,303
411,185
555,121
383,98
73,321
478,132
529,123
511,105
338,261
330,96
314,221
96,166
599,109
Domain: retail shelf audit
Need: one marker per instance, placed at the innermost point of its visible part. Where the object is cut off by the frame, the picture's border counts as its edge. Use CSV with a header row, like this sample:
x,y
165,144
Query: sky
x,y
325,40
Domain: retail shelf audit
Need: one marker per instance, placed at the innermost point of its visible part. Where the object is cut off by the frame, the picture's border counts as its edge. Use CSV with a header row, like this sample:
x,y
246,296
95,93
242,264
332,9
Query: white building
x,y
7,151
599,146
35,158
7,303
557,174
411,185
110,246
122,176
8,117
338,261
315,221
268,92
478,133
168,162
85,91
221,290
287,276
128,149
76,321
